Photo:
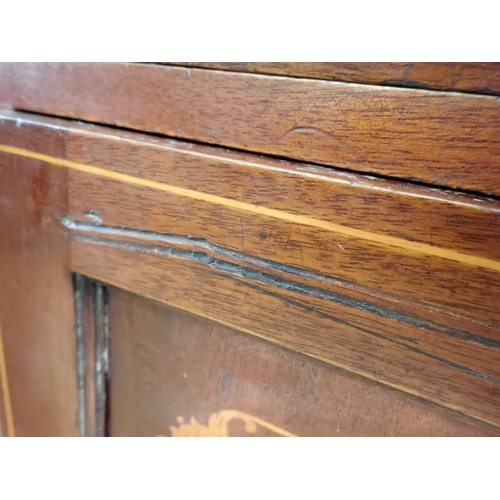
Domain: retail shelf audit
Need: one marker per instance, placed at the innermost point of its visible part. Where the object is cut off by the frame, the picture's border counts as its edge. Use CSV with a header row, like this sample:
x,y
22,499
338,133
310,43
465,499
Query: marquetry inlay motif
x,y
218,425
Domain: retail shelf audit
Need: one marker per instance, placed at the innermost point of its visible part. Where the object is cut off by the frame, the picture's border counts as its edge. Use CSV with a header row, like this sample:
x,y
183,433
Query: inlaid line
x,y
393,241
5,390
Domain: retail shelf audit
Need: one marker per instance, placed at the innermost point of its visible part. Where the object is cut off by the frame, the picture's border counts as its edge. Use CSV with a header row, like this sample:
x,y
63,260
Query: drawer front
x,y
440,138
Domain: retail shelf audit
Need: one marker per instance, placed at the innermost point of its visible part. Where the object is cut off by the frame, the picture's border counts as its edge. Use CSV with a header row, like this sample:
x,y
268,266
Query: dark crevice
x,y
364,330
293,286
410,182
80,287
106,359
87,289
203,243
233,271
394,83
99,364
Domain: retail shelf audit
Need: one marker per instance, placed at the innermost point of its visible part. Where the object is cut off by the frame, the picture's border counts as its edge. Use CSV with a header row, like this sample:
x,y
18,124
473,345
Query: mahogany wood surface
x,y
480,78
37,317
152,216
143,221
440,138
438,248
413,358
169,367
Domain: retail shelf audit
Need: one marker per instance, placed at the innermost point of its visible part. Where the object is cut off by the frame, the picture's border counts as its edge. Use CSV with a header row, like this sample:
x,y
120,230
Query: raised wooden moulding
x,y
439,138
395,282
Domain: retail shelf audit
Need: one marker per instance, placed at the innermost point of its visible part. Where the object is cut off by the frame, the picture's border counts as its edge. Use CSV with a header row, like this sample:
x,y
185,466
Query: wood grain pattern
x,y
446,139
481,78
155,217
167,364
449,366
442,221
330,225
253,251
36,297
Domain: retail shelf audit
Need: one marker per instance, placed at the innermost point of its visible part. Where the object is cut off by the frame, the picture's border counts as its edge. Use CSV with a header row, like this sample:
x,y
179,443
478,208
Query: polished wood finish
x,y
272,297
414,358
480,78
36,297
303,271
170,367
446,139
330,224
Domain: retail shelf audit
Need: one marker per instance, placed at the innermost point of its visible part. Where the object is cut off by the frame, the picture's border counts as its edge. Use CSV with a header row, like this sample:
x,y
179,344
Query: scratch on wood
x,y
317,131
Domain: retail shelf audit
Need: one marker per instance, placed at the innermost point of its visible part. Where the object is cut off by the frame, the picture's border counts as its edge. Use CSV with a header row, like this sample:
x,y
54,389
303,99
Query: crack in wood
x,y
364,330
270,279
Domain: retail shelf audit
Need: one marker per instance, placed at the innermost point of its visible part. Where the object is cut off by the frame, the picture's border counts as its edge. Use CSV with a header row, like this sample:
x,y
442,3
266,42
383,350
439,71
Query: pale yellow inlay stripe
x,y
273,428
5,390
412,246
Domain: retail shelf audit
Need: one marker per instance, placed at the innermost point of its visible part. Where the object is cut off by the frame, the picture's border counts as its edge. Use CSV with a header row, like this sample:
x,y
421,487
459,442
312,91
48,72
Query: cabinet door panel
x,y
175,374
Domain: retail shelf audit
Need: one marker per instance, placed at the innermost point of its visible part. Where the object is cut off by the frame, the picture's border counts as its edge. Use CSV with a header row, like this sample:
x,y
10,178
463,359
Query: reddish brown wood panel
x,y
421,358
481,78
468,224
329,221
452,228
152,216
170,367
36,296
445,139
